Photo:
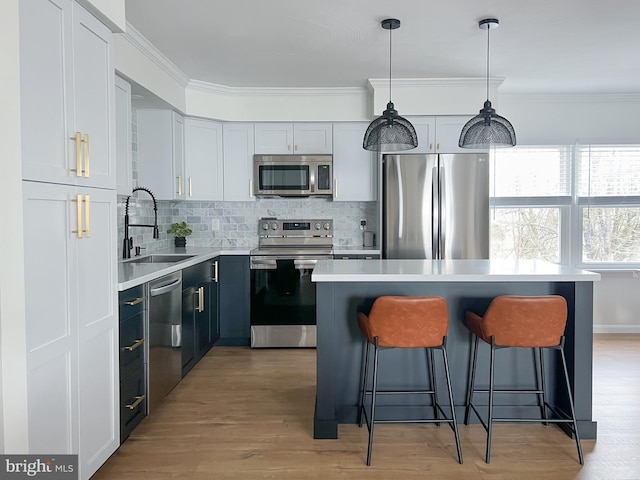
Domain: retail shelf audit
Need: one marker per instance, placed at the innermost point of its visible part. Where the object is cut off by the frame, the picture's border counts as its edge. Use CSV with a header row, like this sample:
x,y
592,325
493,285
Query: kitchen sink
x,y
159,258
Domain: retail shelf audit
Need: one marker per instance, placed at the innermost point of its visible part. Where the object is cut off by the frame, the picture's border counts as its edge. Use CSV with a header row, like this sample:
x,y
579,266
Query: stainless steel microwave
x,y
292,175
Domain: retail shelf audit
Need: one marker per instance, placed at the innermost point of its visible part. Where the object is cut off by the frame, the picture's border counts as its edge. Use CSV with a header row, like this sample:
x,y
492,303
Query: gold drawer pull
x,y
78,139
131,348
139,400
136,301
85,140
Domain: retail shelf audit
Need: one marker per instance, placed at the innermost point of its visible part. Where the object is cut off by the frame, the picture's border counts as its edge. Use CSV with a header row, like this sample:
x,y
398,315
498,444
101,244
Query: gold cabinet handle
x,y
295,147
135,345
85,140
288,147
136,301
200,307
138,401
431,146
190,188
215,271
78,139
438,146
78,201
87,214
179,177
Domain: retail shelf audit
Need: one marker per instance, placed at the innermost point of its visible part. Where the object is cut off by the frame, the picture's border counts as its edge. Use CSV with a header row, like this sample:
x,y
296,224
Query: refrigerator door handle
x,y
435,220
443,208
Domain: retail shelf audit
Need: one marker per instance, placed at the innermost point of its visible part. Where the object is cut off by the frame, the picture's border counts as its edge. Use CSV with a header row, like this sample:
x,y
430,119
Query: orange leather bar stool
x,y
521,322
406,322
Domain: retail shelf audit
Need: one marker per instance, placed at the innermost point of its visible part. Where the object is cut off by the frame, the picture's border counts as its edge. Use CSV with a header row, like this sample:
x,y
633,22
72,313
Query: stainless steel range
x,y
283,298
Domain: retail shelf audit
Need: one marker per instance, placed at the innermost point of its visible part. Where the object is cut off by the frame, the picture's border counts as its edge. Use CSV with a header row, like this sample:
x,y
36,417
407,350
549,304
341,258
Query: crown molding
x,y
494,82
201,86
137,40
571,97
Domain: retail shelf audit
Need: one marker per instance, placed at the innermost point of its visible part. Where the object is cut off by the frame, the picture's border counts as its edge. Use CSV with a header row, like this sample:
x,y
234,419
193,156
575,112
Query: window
x,y
531,189
608,196
570,204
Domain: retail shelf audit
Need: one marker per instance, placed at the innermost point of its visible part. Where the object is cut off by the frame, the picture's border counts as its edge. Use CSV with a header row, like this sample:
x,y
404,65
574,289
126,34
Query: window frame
x,y
571,209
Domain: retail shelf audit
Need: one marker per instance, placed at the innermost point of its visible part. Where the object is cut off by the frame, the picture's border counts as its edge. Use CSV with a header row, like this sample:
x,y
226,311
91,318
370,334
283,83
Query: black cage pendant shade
x,y
487,129
390,132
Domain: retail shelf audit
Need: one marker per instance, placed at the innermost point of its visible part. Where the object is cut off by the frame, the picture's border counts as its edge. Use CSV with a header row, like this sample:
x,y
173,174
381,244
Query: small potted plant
x,y
181,231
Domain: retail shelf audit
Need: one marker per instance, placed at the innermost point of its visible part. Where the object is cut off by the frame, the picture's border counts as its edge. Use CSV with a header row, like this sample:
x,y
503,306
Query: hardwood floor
x,y
247,414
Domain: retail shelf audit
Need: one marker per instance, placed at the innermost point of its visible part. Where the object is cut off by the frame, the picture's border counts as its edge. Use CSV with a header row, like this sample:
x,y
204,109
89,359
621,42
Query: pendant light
x,y
487,129
390,132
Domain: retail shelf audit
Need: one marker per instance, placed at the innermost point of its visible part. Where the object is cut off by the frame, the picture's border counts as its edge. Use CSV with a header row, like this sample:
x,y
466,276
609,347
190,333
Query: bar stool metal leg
x,y
573,413
364,383
372,421
472,379
538,356
454,424
491,381
432,379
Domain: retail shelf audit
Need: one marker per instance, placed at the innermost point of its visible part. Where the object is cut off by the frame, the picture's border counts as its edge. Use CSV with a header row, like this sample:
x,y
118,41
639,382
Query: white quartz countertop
x,y
448,271
134,274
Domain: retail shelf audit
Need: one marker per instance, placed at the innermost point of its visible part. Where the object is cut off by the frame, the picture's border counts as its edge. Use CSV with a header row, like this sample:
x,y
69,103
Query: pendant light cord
x,y
488,30
390,29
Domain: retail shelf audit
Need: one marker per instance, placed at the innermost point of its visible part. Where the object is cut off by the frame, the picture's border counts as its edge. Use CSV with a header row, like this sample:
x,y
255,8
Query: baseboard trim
x,y
616,329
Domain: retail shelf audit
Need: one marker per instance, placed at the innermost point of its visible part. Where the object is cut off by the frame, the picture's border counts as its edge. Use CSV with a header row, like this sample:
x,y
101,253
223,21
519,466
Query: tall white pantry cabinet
x,y
69,201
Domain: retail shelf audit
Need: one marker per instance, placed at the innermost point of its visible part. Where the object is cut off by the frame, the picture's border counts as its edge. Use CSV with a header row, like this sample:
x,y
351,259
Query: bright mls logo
x,y
55,467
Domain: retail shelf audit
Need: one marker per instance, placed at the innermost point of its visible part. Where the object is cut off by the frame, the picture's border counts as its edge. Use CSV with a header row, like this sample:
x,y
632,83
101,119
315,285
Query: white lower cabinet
x,y
355,170
72,321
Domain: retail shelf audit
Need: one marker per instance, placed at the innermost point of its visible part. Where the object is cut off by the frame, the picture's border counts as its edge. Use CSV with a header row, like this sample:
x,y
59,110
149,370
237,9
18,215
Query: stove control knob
x,y
327,226
265,226
318,225
274,226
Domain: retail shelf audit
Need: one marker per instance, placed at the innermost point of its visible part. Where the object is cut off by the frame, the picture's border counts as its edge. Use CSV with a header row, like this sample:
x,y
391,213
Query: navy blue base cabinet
x,y
234,291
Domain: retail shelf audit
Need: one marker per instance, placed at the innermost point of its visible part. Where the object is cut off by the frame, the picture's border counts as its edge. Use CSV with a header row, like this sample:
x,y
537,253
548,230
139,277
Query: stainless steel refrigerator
x,y
436,206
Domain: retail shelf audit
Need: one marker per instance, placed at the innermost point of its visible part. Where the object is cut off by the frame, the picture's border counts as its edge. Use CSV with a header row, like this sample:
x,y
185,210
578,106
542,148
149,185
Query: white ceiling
x,y
561,46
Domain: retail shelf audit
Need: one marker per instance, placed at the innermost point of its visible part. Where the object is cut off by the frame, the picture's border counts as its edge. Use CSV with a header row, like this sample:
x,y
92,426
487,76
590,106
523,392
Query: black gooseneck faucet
x,y
128,242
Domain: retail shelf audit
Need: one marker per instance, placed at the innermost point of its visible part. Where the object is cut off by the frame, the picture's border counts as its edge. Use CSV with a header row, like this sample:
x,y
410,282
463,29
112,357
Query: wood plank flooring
x,y
247,414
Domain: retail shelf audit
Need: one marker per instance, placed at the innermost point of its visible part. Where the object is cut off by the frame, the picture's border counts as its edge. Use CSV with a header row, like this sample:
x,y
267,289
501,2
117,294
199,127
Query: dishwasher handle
x,y
154,292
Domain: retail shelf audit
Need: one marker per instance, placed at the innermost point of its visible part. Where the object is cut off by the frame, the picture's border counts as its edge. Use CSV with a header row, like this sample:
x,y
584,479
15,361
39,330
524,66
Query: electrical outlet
x,y
363,224
215,224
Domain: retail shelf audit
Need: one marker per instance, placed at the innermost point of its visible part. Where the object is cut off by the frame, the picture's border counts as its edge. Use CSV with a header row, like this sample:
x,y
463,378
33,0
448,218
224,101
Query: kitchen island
x,y
346,286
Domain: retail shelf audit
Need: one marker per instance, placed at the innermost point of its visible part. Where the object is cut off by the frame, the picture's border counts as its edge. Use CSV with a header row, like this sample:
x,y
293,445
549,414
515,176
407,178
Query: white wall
x,y
138,60
277,104
13,368
563,119
616,303
110,12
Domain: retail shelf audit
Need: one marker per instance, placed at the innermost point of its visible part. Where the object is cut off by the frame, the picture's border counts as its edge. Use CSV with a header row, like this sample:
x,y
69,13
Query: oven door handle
x,y
263,264
304,264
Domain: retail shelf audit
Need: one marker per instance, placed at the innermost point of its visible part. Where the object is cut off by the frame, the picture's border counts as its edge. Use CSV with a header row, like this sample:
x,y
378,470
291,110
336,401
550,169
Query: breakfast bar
x,y
344,287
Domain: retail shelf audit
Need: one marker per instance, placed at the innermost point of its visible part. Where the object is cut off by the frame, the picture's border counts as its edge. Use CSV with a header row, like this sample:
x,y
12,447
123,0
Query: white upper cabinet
x,y
161,153
293,138
124,179
238,140
355,169
203,159
426,131
440,134
67,95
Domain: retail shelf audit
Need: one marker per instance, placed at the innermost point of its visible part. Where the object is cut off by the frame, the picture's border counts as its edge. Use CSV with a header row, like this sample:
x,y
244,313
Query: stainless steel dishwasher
x,y
165,337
